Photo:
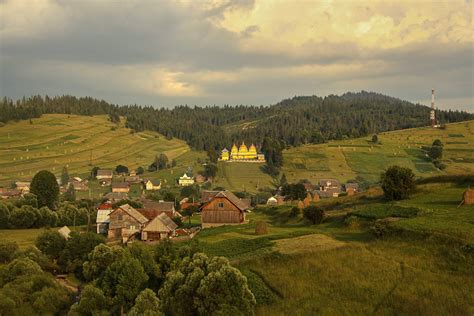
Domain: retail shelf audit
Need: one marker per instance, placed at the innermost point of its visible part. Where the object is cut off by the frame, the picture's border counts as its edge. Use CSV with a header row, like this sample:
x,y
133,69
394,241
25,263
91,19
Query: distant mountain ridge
x,y
292,122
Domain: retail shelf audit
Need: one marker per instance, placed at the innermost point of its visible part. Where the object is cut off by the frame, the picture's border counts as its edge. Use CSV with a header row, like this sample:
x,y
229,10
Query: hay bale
x,y
261,228
468,197
315,197
300,205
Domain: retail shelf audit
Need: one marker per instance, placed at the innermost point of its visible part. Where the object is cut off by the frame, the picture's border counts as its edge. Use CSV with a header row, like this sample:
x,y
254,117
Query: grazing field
x,y
241,176
26,237
348,159
334,269
79,142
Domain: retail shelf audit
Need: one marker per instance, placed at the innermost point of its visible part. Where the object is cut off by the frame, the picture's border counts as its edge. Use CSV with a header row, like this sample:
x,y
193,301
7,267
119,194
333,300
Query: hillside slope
x,y
348,159
78,142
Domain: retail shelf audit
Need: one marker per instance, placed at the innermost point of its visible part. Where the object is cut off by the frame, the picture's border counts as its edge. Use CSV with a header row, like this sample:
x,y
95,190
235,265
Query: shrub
x,y
397,183
261,228
295,212
352,222
314,214
23,217
51,243
7,251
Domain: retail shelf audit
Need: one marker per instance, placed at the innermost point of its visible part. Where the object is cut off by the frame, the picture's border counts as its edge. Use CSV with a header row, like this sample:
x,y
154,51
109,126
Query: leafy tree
x,y
140,170
397,183
147,304
190,191
121,169
51,243
189,211
173,163
123,280
20,267
206,286
375,139
210,170
70,194
45,217
99,260
437,142
294,191
94,172
294,212
145,255
28,199
436,150
23,217
64,176
314,214
93,302
212,154
46,188
75,252
7,251
4,216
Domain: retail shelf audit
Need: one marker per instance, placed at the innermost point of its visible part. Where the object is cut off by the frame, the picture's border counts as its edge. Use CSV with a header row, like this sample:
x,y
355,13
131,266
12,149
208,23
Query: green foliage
x,y
263,294
134,204
70,194
160,163
436,152
64,176
191,191
375,138
140,170
4,216
7,251
203,286
294,212
92,303
397,183
99,260
23,217
294,191
377,211
51,243
314,214
123,280
121,169
46,188
94,172
76,250
210,170
352,222
146,304
28,199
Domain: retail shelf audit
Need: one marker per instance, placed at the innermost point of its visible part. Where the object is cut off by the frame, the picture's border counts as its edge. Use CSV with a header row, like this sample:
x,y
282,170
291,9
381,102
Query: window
x,y
221,205
132,227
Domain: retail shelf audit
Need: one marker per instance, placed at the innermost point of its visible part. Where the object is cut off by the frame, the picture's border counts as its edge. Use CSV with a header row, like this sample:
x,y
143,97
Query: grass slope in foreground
x,y
79,142
347,159
334,269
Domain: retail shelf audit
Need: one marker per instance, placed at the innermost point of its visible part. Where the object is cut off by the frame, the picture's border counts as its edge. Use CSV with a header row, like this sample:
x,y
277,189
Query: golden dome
x,y
253,149
234,149
243,148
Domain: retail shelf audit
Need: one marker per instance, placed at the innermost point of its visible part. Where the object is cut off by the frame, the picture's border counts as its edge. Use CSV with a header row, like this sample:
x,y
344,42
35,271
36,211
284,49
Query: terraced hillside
x,y
347,159
78,142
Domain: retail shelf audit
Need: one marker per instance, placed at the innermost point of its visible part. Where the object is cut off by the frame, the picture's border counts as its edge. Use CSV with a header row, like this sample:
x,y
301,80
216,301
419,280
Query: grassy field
x,y
241,176
80,142
334,269
26,237
347,159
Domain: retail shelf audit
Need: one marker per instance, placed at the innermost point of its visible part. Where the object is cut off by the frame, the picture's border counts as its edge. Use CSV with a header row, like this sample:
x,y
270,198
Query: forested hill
x,y
295,121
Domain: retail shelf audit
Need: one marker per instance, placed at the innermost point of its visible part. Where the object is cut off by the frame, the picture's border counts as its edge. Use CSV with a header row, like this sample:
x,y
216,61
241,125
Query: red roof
x,y
151,214
105,206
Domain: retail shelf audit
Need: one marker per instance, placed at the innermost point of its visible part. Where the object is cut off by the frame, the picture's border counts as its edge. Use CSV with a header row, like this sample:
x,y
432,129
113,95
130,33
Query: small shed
x,y
272,201
65,232
161,227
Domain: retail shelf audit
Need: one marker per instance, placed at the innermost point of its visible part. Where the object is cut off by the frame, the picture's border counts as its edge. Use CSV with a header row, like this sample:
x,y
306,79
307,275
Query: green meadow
x,y
348,159
81,142
335,268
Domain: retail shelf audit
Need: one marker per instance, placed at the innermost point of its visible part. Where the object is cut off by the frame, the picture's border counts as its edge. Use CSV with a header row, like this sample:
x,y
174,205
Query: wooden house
x,y
207,195
120,187
103,218
152,209
116,196
104,174
161,227
223,209
153,185
125,222
23,186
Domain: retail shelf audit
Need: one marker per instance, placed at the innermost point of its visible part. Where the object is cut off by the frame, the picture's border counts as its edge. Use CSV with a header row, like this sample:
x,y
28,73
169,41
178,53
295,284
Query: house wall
x,y
213,213
122,190
118,227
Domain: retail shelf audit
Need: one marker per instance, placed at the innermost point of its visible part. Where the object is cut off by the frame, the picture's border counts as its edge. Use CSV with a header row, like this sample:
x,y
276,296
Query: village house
x,y
78,184
9,193
186,180
272,201
132,179
152,209
224,208
116,196
105,176
328,184
207,195
23,186
125,223
103,212
160,227
152,185
199,178
120,187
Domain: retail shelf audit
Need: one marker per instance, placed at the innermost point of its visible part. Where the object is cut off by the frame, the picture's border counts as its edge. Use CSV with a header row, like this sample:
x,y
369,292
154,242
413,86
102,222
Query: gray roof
x,y
116,196
134,213
104,172
120,185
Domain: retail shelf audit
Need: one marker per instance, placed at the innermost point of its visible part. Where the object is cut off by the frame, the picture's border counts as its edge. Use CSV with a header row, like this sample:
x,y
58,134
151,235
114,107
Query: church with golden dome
x,y
242,153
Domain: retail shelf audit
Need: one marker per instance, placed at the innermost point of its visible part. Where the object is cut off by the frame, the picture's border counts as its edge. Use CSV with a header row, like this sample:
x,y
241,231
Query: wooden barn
x,y
125,222
223,209
161,227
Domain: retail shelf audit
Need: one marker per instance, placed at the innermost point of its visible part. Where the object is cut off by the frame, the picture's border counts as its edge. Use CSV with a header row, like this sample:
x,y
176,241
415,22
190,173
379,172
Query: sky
x,y
167,53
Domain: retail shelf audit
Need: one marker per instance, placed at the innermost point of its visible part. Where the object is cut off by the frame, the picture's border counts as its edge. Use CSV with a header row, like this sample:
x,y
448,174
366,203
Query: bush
x,y
261,228
314,214
397,183
380,228
7,251
295,212
23,217
352,222
51,243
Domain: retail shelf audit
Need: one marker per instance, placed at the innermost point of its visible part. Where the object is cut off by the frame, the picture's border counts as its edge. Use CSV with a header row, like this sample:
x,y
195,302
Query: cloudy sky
x,y
166,53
